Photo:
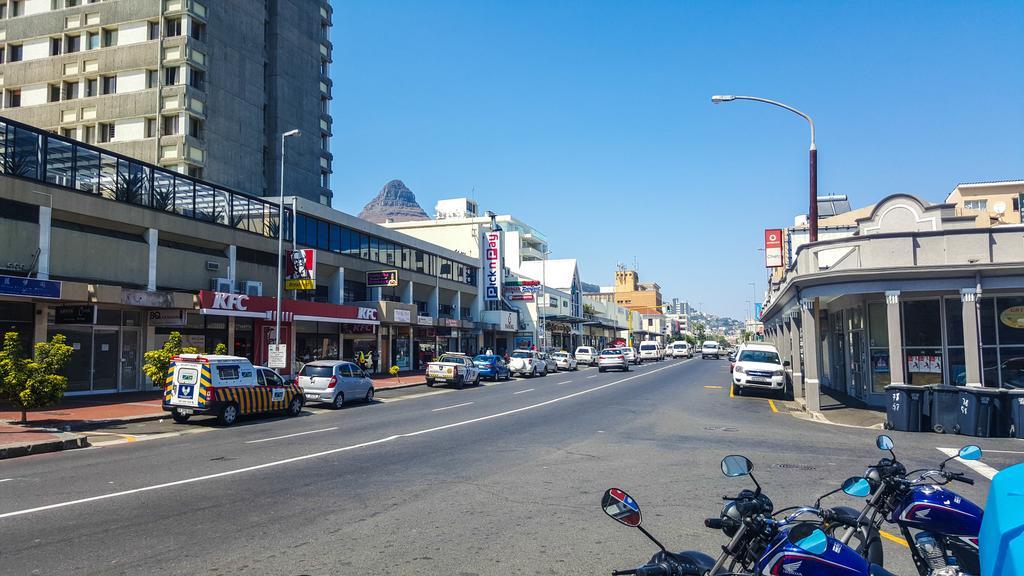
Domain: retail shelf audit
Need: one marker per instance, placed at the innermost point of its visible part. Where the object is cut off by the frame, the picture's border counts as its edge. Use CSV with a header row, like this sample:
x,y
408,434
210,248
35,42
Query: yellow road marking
x,y
772,404
731,392
894,538
714,387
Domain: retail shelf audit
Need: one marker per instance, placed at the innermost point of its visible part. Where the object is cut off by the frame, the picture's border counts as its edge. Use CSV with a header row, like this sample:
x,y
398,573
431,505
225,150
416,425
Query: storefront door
x,y
129,359
838,356
858,361
106,359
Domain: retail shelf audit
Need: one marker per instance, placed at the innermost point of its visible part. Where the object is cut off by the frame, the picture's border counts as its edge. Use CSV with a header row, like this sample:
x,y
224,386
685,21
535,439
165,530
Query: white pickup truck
x,y
453,367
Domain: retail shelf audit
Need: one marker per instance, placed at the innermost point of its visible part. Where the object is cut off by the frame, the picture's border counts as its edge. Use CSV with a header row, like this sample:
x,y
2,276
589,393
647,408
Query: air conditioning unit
x,y
252,288
221,285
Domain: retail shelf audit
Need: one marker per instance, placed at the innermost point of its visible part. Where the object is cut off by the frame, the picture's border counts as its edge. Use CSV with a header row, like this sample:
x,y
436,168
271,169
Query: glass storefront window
x,y
986,311
924,366
954,322
956,367
877,323
990,367
1011,367
922,323
1010,318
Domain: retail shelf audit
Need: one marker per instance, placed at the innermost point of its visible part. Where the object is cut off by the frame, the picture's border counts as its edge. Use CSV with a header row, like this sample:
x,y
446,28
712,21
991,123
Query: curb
x,y
64,441
819,417
82,424
400,386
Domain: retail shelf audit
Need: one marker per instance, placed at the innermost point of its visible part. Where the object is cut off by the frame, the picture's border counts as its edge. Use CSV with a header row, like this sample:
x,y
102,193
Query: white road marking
x,y
523,391
276,463
6,479
594,376
452,406
409,397
560,383
292,435
1002,451
983,469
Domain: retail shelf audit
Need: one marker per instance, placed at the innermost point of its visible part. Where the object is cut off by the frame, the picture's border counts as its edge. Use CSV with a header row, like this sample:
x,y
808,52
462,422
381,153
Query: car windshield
x,y
648,347
764,356
485,358
449,358
611,352
317,371
522,355
559,355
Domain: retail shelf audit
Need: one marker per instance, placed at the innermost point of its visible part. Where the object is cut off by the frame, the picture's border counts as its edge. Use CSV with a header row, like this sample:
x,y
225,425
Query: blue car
x,y
492,366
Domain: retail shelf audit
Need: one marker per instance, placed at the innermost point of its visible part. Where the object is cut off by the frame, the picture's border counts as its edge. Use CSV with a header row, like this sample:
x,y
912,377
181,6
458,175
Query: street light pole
x,y
812,210
280,240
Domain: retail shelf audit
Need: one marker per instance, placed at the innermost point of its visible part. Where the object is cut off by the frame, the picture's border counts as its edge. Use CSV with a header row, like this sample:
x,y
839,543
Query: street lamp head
x,y
294,132
718,98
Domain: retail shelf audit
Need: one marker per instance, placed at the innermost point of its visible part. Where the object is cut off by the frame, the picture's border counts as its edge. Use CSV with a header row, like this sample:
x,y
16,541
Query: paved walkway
x,y
838,408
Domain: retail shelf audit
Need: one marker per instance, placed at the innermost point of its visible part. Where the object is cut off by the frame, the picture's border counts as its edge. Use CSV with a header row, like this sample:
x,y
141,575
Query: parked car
x,y
492,366
732,355
710,349
549,361
564,361
587,355
651,350
631,356
453,367
527,363
226,387
680,350
613,359
335,382
758,366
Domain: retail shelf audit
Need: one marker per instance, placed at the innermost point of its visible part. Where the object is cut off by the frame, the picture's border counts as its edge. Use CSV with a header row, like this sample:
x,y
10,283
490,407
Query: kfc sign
x,y
773,248
301,270
492,266
225,301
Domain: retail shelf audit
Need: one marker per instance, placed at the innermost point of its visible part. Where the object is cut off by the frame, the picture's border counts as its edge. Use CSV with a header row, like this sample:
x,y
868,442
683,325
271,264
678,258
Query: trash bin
x,y
981,412
1013,409
905,411
944,405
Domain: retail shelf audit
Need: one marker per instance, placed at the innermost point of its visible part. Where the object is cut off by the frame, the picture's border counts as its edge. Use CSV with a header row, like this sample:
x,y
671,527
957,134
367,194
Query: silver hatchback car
x,y
335,382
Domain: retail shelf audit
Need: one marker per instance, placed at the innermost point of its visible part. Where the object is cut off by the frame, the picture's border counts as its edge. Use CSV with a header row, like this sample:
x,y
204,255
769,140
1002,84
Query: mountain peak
x,y
394,202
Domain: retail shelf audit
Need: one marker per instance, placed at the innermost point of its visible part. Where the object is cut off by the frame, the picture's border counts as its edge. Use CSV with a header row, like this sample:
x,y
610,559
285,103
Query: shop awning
x,y
245,306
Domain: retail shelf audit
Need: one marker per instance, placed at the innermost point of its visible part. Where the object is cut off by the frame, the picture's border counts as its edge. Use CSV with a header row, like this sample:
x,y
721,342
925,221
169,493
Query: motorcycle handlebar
x,y
959,477
659,569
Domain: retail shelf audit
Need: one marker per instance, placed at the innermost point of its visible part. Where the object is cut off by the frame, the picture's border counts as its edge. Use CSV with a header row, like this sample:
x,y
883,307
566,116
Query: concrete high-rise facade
x,y
204,87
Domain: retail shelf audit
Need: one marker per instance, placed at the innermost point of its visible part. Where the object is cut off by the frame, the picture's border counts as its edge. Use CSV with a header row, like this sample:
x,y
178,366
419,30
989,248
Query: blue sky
x,y
592,121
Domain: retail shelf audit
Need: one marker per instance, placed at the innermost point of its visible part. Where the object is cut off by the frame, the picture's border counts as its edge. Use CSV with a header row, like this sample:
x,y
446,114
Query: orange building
x,y
631,294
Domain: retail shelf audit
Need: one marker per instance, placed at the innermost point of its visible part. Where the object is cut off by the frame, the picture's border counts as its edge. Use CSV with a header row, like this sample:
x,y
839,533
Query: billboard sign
x,y
300,270
773,248
492,266
382,278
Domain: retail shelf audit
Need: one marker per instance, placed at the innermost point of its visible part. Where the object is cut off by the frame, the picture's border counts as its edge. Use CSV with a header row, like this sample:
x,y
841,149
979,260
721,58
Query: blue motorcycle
x,y
940,526
759,542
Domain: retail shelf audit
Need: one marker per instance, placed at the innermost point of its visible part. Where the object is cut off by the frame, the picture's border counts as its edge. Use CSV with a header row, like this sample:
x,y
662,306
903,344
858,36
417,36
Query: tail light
x,y
211,394
333,382
622,357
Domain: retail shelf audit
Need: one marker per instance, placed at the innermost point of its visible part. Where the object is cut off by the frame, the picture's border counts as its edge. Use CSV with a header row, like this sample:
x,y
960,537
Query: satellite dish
x,y
999,207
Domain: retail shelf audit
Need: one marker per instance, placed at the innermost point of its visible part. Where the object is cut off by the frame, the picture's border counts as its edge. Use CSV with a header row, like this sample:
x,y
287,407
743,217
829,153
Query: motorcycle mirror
x,y
857,486
808,538
884,442
970,452
621,507
735,465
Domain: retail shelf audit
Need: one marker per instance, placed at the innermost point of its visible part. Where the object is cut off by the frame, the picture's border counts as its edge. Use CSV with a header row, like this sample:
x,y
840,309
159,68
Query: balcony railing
x,y
33,154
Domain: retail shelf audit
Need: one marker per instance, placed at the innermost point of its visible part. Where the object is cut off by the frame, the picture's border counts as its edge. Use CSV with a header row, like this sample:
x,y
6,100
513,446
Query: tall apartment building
x,y
204,87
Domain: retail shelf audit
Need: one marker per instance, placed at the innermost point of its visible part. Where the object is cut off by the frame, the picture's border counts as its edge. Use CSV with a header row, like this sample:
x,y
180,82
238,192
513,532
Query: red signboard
x,y
773,248
225,304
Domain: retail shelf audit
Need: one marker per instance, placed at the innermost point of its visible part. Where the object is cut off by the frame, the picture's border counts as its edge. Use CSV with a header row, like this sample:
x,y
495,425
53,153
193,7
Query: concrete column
x,y
794,360
433,305
457,305
232,264
376,293
892,312
336,287
812,386
43,263
972,342
407,293
40,326
231,335
153,240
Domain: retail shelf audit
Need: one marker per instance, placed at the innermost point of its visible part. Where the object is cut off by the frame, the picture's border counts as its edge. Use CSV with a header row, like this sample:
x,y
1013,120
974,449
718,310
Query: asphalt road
x,y
501,479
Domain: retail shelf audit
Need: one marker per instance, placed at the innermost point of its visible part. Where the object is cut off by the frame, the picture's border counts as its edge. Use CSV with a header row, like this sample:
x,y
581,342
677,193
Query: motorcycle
x,y
759,543
941,526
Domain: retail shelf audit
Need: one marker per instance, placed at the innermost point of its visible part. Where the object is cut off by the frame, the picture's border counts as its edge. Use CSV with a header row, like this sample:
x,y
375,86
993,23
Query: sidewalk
x,y
838,408
403,380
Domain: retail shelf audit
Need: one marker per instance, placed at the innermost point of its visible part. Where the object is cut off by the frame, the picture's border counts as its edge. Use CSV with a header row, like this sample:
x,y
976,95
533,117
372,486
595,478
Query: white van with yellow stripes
x,y
226,387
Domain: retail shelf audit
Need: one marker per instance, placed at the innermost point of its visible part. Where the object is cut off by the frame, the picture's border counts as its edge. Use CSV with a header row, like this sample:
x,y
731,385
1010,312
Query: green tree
x,y
159,361
221,348
37,381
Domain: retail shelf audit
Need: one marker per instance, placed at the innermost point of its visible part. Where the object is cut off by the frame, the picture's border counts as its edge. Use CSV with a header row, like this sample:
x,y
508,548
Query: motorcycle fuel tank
x,y
785,559
936,509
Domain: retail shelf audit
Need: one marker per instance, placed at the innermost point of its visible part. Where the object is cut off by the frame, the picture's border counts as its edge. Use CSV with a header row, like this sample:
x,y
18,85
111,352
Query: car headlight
x,y
779,373
738,369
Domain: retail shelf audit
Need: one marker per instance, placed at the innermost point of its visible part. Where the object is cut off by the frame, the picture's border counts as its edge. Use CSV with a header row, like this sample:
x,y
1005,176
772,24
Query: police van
x,y
226,387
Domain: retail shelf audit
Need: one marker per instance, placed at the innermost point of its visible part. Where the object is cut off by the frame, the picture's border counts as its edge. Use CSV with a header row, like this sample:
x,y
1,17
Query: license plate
x,y
312,396
758,379
185,411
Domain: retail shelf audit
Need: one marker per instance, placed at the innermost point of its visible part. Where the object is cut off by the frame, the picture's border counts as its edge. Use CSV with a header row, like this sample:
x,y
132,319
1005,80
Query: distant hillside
x,y
394,202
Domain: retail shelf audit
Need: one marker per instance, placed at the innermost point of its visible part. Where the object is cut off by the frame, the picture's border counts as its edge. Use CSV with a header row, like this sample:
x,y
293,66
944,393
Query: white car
x,y
680,350
453,367
613,359
631,356
758,366
650,350
527,363
711,349
587,355
564,361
